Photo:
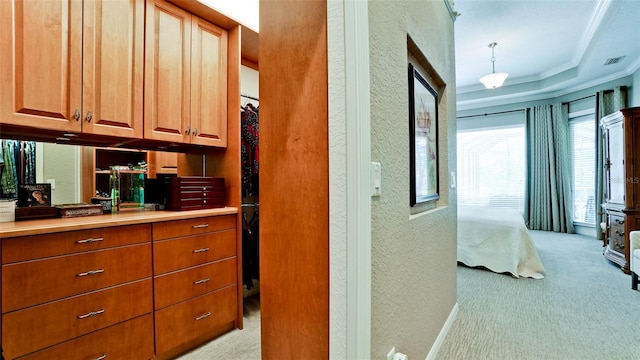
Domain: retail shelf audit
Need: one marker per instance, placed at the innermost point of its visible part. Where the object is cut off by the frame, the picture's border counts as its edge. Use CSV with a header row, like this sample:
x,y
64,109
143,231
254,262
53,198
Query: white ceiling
x,y
548,47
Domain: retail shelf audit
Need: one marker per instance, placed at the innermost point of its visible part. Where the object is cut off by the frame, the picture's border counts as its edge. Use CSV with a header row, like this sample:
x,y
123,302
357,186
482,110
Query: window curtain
x,y
548,202
607,102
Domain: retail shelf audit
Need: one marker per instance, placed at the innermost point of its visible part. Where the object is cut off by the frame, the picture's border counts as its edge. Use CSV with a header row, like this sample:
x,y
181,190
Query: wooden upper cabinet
x,y
41,63
73,66
208,84
167,97
113,61
185,77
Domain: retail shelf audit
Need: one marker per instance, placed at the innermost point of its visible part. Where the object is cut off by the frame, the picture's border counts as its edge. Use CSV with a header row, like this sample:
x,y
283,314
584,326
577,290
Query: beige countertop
x,y
46,226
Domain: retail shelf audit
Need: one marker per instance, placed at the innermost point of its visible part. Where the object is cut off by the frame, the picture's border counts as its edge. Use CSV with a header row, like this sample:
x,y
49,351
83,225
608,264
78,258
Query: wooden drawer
x,y
186,284
175,254
188,320
172,229
131,339
616,232
71,242
37,327
38,281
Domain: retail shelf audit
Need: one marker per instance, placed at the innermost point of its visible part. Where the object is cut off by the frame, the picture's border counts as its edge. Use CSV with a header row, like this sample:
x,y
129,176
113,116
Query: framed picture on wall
x,y
423,130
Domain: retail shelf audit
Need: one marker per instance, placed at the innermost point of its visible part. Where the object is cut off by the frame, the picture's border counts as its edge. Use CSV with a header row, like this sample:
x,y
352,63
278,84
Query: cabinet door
x,y
41,57
167,72
615,173
208,84
113,67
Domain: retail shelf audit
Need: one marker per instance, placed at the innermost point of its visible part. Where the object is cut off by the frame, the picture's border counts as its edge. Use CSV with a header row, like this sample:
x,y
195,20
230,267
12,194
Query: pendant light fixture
x,y
493,80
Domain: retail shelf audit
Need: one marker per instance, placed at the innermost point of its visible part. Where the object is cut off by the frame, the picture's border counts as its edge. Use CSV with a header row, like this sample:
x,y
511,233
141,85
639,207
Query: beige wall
x,y
413,256
61,163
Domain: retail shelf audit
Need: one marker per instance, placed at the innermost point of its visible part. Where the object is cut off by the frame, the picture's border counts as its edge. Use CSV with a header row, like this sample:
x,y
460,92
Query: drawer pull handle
x,y
203,316
91,314
91,272
201,250
618,221
201,281
619,233
201,226
89,240
102,357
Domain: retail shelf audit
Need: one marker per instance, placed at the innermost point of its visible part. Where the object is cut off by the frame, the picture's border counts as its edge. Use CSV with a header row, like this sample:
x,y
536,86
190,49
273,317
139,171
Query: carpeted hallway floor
x,y
583,309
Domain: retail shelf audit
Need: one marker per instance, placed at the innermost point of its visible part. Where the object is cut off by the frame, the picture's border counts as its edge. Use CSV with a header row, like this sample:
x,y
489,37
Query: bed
x,y
497,239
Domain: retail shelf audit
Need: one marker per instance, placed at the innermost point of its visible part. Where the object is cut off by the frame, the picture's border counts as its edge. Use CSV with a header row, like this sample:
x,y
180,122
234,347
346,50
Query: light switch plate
x,y
376,179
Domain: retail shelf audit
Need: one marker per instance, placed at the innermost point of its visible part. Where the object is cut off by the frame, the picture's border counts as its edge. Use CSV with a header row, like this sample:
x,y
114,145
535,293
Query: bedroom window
x,y
492,167
582,132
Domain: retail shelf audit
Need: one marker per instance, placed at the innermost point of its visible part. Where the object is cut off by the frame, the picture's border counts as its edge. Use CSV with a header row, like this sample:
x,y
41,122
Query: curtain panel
x,y
607,102
548,202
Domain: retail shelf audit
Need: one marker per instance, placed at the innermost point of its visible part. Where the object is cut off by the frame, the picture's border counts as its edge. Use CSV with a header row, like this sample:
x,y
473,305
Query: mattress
x,y
497,239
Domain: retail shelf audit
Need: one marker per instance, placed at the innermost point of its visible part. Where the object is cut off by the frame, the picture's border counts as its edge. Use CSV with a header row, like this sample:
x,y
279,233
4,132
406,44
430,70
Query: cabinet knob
x,y
76,115
618,221
187,131
619,233
195,131
89,116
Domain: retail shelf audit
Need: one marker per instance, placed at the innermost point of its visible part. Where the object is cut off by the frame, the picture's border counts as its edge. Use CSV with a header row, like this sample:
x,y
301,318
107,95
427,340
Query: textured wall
x,y
634,96
413,256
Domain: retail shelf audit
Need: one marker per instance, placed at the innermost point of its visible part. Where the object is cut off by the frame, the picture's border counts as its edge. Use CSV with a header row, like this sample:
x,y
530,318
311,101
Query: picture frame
x,y
423,130
32,195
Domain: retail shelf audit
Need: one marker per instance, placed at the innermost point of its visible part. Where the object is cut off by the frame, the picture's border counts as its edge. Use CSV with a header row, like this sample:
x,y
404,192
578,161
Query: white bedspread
x,y
497,239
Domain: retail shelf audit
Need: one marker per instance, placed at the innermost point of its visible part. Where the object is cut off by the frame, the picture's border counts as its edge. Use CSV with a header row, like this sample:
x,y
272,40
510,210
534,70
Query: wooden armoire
x,y
621,132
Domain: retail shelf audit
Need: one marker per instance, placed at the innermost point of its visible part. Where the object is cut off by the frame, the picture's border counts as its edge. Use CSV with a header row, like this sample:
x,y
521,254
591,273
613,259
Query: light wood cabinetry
x,y
73,284
621,134
195,276
185,77
74,66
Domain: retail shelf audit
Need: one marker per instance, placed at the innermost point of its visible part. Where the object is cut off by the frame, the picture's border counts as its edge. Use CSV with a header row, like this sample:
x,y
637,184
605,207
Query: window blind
x,y
582,131
492,167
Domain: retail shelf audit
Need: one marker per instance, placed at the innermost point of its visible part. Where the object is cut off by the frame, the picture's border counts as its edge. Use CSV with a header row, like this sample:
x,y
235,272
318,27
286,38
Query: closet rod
x,y
493,113
249,97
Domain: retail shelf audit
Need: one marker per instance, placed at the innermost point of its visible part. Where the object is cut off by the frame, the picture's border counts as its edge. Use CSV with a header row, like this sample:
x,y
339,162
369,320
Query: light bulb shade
x,y
494,80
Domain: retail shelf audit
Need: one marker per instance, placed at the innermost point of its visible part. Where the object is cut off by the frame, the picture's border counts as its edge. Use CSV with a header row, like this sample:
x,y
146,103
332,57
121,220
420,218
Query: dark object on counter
x,y
75,210
35,212
195,192
104,201
33,195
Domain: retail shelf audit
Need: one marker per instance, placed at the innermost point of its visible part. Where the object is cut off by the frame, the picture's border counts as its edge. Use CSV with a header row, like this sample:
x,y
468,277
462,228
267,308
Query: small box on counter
x,y
195,192
35,212
105,202
75,210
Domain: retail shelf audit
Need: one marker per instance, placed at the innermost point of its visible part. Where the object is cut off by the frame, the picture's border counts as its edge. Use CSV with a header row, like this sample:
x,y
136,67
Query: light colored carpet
x,y
237,344
583,309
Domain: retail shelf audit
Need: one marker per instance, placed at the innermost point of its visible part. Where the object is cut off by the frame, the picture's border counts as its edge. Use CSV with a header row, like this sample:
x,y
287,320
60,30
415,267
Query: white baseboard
x,y
443,333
